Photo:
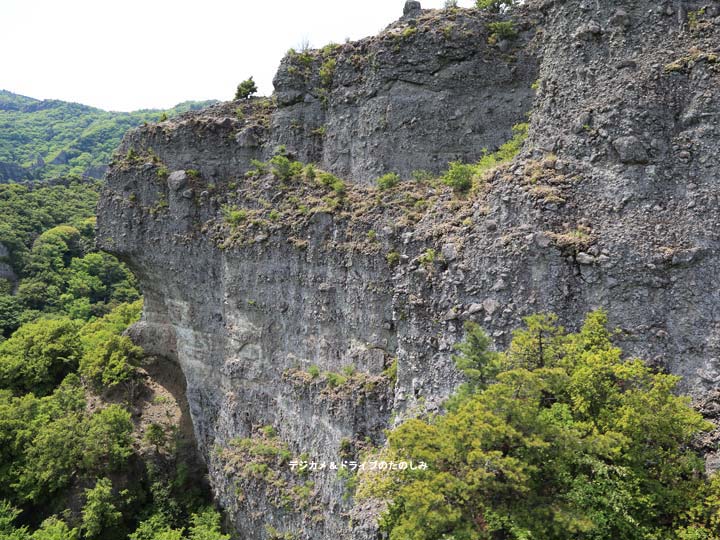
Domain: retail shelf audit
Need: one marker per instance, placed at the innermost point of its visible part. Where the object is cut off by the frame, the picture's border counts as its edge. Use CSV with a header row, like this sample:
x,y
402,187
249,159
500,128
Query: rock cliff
x,y
288,303
6,271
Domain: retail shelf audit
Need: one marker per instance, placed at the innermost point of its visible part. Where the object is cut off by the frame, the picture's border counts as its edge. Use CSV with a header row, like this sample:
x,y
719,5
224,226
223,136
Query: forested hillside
x,y
51,138
95,441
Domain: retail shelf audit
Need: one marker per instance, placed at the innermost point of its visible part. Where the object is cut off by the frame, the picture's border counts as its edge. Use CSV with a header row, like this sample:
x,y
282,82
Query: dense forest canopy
x,y
51,139
48,237
74,460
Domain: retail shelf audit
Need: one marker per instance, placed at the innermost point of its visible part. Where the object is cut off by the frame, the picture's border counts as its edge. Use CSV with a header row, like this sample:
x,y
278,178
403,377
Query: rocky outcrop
x,y
6,271
11,172
265,290
361,109
428,90
637,115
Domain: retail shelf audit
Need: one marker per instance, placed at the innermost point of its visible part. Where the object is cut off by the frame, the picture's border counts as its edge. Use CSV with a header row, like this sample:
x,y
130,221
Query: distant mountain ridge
x,y
42,139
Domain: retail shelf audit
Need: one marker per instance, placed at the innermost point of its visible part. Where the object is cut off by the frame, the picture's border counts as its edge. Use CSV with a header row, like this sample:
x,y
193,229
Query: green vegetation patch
x,y
387,181
71,462
496,5
49,233
265,460
501,30
557,437
462,177
41,140
349,383
695,57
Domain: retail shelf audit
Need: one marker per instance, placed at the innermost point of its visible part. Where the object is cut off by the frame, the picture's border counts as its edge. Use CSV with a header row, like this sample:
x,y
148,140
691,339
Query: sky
x,y
125,55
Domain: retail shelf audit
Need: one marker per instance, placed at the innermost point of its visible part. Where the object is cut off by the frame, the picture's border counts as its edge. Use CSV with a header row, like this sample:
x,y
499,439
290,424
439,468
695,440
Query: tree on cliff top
x,y
495,5
246,89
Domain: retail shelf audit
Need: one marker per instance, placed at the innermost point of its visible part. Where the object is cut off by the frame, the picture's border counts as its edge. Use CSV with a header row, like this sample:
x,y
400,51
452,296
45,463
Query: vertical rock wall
x,y
613,204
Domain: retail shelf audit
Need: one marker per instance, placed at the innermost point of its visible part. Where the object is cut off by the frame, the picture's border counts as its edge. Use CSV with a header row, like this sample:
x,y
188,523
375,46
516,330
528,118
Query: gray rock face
x,y
362,109
630,150
6,271
581,220
177,180
412,7
11,172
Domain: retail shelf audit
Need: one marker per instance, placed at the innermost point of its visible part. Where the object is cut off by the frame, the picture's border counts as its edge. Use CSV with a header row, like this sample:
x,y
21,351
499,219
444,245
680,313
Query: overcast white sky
x,y
137,54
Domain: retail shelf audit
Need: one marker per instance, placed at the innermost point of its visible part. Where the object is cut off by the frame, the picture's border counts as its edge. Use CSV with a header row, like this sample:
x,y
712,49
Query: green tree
x,y
8,530
495,5
32,449
99,512
51,458
49,234
10,312
101,278
246,89
54,528
155,436
205,525
112,324
39,355
459,176
111,363
561,439
170,534
475,360
53,251
151,528
36,294
108,439
110,358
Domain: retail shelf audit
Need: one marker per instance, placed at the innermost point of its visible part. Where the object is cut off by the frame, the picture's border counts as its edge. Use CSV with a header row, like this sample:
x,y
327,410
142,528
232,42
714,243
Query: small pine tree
x,y
206,526
495,5
99,512
155,435
387,181
246,89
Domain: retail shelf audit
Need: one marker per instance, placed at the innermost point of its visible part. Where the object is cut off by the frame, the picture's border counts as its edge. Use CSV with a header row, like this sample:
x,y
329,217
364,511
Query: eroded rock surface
x,y
613,203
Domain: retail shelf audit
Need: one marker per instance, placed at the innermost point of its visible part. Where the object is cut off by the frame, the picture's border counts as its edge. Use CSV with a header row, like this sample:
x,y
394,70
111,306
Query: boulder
x,y
630,150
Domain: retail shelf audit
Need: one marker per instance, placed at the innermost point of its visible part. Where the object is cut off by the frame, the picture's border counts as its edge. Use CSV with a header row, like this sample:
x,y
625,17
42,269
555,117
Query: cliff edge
x,y
309,313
